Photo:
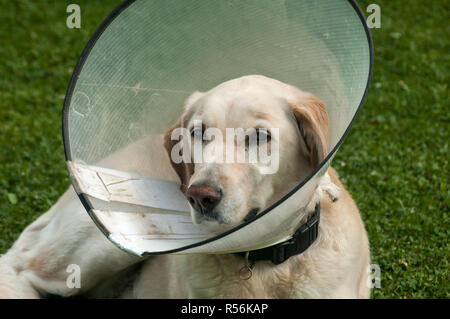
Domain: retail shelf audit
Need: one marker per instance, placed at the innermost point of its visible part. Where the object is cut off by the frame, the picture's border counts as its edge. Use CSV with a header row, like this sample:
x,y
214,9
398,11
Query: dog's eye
x,y
198,131
262,136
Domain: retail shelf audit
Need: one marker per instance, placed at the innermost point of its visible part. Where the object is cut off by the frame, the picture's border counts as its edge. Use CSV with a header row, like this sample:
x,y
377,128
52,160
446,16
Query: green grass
x,y
394,161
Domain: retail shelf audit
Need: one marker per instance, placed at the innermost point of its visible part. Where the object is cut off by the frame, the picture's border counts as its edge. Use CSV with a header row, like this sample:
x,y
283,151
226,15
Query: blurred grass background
x,y
394,161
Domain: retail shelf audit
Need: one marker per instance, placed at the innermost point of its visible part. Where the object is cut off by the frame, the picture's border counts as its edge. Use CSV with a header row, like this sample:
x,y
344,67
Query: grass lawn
x,y
394,161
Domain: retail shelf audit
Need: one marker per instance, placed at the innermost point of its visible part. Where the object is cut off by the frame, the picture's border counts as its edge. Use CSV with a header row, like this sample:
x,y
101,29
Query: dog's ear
x,y
183,170
312,119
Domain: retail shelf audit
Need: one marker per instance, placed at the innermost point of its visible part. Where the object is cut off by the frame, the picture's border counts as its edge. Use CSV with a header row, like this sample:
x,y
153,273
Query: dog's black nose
x,y
203,198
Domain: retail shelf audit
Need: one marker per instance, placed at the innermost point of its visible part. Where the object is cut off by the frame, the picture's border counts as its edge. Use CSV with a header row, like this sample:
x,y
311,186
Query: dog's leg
x,y
60,245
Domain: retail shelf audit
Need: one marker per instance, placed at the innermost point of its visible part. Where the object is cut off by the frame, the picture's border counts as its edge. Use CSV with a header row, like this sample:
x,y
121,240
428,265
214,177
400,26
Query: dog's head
x,y
291,125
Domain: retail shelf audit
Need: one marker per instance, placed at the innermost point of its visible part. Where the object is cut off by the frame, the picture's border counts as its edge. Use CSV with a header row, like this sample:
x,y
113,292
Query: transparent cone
x,y
145,60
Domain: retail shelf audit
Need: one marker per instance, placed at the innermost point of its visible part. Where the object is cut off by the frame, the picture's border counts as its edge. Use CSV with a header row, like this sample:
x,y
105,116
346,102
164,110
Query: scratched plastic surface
x,y
154,54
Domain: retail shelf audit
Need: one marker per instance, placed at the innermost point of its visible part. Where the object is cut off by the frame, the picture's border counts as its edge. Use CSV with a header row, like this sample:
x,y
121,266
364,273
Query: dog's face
x,y
223,194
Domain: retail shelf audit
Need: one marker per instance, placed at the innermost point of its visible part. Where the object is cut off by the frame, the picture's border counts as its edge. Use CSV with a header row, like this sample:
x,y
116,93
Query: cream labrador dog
x,y
221,196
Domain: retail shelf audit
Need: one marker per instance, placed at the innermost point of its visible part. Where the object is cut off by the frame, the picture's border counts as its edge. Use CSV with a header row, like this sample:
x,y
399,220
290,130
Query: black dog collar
x,y
305,235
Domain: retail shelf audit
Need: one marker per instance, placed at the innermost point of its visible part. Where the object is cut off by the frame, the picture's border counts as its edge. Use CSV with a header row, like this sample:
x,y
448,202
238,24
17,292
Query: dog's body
x,y
335,266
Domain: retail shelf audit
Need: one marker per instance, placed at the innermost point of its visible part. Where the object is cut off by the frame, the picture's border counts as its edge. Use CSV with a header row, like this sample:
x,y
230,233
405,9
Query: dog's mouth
x,y
251,214
216,218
